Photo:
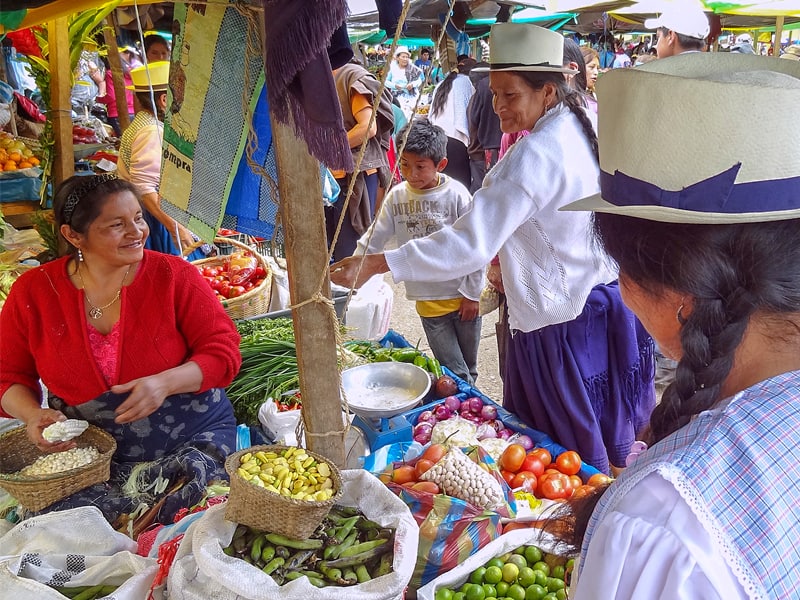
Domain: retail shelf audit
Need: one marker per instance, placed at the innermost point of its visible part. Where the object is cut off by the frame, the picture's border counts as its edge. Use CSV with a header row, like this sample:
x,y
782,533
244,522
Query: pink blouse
x,y
105,349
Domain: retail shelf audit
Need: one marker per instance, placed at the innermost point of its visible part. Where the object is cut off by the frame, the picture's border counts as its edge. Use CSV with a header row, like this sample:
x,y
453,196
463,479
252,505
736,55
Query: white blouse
x,y
653,547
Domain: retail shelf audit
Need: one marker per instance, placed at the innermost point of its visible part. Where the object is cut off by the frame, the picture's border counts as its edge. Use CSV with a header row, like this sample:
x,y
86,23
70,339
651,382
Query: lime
x,y
458,596
502,589
541,578
557,572
520,550
465,587
516,592
542,566
526,577
510,572
444,594
550,596
489,591
535,592
475,592
504,557
493,575
517,559
570,564
532,554
495,562
477,575
561,595
554,584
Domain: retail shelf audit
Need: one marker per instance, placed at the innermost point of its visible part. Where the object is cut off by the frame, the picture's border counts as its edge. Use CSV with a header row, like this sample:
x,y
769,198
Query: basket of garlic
x,y
37,479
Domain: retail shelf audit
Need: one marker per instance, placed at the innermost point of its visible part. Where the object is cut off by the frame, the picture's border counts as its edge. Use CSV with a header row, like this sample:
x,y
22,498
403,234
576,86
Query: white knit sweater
x,y
548,258
408,214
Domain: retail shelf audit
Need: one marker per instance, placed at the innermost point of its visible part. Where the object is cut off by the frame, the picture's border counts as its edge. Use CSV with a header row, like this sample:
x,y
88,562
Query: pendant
x,y
96,313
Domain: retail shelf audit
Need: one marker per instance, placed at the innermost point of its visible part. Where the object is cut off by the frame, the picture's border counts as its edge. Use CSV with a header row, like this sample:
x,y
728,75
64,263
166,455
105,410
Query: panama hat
x,y
683,105
525,47
154,75
401,50
791,53
687,19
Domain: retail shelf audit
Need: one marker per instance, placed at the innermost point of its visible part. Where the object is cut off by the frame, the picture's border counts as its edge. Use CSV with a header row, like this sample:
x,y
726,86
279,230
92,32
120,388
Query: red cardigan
x,y
169,316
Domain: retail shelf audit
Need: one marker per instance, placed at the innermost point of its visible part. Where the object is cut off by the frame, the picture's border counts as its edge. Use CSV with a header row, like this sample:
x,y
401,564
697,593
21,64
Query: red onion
x,y
524,441
475,404
453,403
504,433
442,413
422,433
485,431
426,416
488,412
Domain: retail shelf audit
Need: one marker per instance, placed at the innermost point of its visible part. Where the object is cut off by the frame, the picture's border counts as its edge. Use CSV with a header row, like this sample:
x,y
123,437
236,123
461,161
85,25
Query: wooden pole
x,y
60,107
117,76
776,44
315,324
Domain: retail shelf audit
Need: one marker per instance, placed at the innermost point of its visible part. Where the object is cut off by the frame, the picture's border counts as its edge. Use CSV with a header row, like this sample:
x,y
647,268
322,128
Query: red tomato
x,y
216,282
569,462
554,488
575,481
512,457
259,273
404,474
426,486
235,291
508,476
533,464
435,452
542,455
225,289
422,465
524,479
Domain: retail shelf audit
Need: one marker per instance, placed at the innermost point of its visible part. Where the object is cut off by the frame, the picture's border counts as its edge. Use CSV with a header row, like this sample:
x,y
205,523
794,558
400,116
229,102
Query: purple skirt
x,y
587,383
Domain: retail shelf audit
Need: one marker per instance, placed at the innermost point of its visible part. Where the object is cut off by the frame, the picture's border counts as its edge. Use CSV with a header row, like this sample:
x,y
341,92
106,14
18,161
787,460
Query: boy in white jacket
x,y
425,202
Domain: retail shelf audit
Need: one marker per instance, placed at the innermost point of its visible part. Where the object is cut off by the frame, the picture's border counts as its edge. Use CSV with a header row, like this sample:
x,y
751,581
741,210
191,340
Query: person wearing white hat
x,y
140,159
680,28
404,79
707,239
578,365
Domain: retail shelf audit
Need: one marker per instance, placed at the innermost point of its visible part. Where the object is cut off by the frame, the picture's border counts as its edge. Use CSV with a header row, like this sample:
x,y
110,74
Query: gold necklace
x,y
96,312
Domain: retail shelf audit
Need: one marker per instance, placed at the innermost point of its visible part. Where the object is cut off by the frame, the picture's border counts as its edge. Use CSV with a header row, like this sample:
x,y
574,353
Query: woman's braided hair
x,y
730,272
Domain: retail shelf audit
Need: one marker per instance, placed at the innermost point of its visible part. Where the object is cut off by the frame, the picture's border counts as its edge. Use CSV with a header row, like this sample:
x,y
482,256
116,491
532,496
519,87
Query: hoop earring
x,y
679,315
80,255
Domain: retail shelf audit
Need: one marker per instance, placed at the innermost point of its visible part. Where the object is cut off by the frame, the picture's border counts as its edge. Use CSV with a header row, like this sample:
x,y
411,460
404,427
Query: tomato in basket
x,y
227,282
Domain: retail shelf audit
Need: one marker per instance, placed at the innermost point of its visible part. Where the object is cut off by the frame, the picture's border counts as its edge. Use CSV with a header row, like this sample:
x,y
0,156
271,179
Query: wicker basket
x,y
252,303
36,493
264,510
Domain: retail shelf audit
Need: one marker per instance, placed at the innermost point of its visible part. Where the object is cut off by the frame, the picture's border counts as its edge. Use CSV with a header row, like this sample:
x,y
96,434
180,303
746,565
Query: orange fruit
x,y
10,165
25,164
15,156
34,161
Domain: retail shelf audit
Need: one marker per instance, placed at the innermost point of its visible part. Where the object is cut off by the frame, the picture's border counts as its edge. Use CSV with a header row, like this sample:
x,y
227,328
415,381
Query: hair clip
x,y
76,195
637,448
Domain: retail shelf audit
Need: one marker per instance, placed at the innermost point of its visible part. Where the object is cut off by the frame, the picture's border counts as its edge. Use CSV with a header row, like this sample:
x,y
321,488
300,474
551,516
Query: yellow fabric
x,y
357,103
437,308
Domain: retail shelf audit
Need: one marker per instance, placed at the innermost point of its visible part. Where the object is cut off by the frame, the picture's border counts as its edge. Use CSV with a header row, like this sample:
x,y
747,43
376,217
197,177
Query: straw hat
x,y
791,53
685,104
158,77
686,19
524,47
401,50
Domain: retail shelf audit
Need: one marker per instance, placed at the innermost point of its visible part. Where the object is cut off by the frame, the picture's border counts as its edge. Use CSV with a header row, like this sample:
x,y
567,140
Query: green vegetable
x,y
282,540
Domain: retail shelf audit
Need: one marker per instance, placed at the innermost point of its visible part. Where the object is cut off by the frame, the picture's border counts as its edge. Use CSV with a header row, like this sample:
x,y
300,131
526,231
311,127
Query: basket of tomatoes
x,y
241,280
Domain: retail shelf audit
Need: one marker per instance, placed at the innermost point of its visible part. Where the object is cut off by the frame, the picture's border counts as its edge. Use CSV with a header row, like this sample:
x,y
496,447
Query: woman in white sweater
x,y
579,365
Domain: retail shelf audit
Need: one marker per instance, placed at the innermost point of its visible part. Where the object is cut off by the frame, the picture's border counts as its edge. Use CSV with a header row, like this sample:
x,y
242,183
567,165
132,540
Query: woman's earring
x,y
80,258
679,315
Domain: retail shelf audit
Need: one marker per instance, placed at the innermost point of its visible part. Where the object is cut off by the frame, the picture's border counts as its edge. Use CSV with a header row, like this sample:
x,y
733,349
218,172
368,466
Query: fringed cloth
x,y
587,383
299,77
186,440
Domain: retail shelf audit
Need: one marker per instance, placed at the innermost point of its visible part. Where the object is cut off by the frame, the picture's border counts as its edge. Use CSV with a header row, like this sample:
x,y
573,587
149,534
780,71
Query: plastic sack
x,y
455,577
75,547
369,311
201,570
279,426
241,267
330,187
279,298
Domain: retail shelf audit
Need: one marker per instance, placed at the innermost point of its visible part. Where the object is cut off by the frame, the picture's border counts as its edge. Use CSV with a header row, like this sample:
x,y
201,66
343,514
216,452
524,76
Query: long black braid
x,y
729,271
465,65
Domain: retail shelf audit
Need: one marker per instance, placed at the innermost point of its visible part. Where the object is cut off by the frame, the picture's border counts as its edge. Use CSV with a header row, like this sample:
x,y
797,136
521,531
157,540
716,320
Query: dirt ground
x,y
405,321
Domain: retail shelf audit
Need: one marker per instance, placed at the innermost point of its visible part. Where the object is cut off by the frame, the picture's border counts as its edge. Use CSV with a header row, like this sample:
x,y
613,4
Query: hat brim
x,y
539,68
665,214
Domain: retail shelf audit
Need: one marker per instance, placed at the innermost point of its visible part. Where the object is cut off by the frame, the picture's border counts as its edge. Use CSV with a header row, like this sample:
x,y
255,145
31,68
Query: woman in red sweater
x,y
130,340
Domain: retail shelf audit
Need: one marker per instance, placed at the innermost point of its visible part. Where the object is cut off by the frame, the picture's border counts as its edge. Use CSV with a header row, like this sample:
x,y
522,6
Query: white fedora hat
x,y
525,47
687,19
662,151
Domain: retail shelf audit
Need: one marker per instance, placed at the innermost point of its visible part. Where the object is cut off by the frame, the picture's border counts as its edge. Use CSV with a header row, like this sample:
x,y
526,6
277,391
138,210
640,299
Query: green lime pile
x,y
525,574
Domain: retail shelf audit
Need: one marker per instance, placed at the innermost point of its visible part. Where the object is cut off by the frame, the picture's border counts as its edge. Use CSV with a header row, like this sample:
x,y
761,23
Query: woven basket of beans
x,y
35,492
295,514
251,303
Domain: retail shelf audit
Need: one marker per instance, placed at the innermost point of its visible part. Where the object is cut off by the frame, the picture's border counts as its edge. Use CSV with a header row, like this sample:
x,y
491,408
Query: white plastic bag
x,y
75,547
279,426
369,311
505,543
202,571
